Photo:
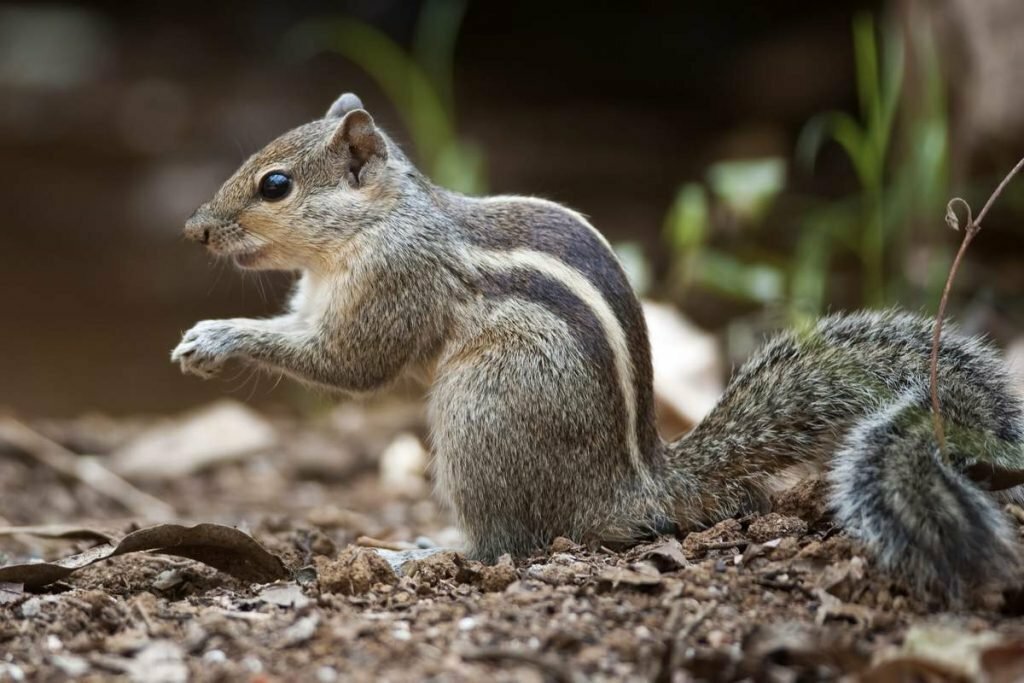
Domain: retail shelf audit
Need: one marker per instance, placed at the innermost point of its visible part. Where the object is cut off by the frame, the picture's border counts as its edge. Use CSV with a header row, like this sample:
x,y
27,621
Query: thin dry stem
x,y
972,229
83,469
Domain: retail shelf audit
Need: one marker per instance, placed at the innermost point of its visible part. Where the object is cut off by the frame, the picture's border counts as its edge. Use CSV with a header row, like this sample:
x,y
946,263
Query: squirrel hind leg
x,y
922,517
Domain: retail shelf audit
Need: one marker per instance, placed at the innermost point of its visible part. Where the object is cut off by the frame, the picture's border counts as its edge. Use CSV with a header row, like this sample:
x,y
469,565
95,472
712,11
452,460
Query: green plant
x,y
866,142
899,150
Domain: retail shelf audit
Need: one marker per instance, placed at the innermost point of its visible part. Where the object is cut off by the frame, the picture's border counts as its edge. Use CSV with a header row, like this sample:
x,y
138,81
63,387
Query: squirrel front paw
x,y
204,349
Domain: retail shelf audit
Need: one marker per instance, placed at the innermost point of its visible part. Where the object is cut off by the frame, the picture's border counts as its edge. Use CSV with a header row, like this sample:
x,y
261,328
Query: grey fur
x,y
542,409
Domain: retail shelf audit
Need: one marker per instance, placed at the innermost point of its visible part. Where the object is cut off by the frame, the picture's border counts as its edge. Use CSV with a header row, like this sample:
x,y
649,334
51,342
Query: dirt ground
x,y
780,597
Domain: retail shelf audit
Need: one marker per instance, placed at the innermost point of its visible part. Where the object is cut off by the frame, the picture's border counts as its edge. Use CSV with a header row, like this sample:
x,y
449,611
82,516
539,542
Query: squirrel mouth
x,y
247,259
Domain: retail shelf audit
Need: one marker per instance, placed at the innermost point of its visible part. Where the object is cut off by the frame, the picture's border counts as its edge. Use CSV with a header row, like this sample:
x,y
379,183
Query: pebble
x,y
71,666
326,674
31,608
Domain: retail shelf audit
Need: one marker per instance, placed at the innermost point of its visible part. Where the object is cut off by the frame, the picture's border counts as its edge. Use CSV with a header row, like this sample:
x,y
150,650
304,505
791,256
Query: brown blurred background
x,y
118,119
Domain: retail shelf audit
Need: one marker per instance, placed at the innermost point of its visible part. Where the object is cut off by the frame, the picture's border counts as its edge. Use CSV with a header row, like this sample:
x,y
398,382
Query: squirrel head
x,y
293,204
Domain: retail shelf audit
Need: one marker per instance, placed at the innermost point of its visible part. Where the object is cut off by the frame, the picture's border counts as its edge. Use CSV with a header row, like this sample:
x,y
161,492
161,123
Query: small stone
x,y
355,572
252,665
435,567
773,525
71,666
499,576
787,548
301,631
12,672
552,574
326,674
215,657
284,595
725,531
31,608
717,638
166,580
321,544
561,544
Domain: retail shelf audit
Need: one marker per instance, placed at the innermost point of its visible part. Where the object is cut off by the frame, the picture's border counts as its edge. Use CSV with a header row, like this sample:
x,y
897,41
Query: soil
x,y
779,597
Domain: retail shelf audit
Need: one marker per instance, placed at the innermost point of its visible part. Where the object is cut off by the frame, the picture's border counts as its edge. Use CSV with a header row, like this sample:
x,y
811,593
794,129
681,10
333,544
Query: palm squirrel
x,y
541,409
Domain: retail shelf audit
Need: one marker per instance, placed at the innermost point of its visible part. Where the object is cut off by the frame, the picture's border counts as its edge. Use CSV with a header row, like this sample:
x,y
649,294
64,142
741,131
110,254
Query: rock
x,y
355,572
561,544
284,595
552,574
725,531
687,366
499,576
403,466
435,567
300,632
773,525
160,661
221,432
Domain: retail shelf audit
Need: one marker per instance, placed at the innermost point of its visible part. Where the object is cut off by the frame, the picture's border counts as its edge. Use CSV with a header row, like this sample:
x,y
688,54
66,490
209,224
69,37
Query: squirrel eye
x,y
275,185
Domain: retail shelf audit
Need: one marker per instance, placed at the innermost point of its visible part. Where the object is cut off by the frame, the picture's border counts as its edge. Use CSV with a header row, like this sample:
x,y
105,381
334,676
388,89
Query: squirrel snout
x,y
197,229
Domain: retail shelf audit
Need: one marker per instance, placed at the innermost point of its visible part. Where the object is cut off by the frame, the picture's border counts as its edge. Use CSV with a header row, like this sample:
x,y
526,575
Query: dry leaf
x,y
1003,663
222,547
667,555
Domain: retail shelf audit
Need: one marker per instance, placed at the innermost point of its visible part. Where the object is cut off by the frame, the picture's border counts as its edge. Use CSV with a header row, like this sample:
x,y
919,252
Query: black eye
x,y
275,185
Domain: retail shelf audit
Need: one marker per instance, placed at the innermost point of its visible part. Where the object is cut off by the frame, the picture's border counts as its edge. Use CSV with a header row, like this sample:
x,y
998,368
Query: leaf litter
x,y
775,597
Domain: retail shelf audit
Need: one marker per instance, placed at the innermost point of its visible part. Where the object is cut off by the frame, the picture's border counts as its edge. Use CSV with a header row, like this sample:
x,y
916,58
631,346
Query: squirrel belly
x,y
541,409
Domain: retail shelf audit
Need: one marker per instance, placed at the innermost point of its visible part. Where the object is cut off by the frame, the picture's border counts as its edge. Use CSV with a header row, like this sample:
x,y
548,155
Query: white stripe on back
x,y
578,284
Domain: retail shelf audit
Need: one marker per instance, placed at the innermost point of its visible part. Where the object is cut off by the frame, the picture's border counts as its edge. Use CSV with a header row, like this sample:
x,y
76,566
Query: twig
x,y
83,469
557,670
972,229
724,545
371,542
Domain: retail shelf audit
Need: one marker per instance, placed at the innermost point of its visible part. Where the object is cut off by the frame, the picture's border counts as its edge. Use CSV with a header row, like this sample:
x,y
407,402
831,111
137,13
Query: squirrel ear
x,y
344,104
360,144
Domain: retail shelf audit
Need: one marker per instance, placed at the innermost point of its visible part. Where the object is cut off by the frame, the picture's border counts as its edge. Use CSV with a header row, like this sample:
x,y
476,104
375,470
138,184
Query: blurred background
x,y
754,163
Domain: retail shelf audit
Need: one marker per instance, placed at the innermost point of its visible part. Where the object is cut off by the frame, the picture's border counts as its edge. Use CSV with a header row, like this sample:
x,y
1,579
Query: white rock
x,y
161,661
403,466
687,363
221,432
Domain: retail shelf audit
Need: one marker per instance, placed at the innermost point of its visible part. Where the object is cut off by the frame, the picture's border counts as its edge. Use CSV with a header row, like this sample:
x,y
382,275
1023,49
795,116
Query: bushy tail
x,y
915,508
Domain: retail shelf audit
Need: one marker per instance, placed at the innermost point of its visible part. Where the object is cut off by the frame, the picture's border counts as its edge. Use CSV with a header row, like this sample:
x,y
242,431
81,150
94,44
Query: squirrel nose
x,y
197,229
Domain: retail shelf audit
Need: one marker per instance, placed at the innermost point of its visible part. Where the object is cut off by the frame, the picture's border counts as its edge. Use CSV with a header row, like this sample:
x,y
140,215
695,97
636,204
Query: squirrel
x,y
541,409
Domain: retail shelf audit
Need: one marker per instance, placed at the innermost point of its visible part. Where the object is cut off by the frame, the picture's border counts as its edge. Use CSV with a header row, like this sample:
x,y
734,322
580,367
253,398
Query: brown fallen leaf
x,y
667,555
225,548
1003,663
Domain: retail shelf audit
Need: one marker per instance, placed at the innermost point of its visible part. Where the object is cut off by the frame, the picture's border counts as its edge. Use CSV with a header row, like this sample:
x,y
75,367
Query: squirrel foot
x,y
204,348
